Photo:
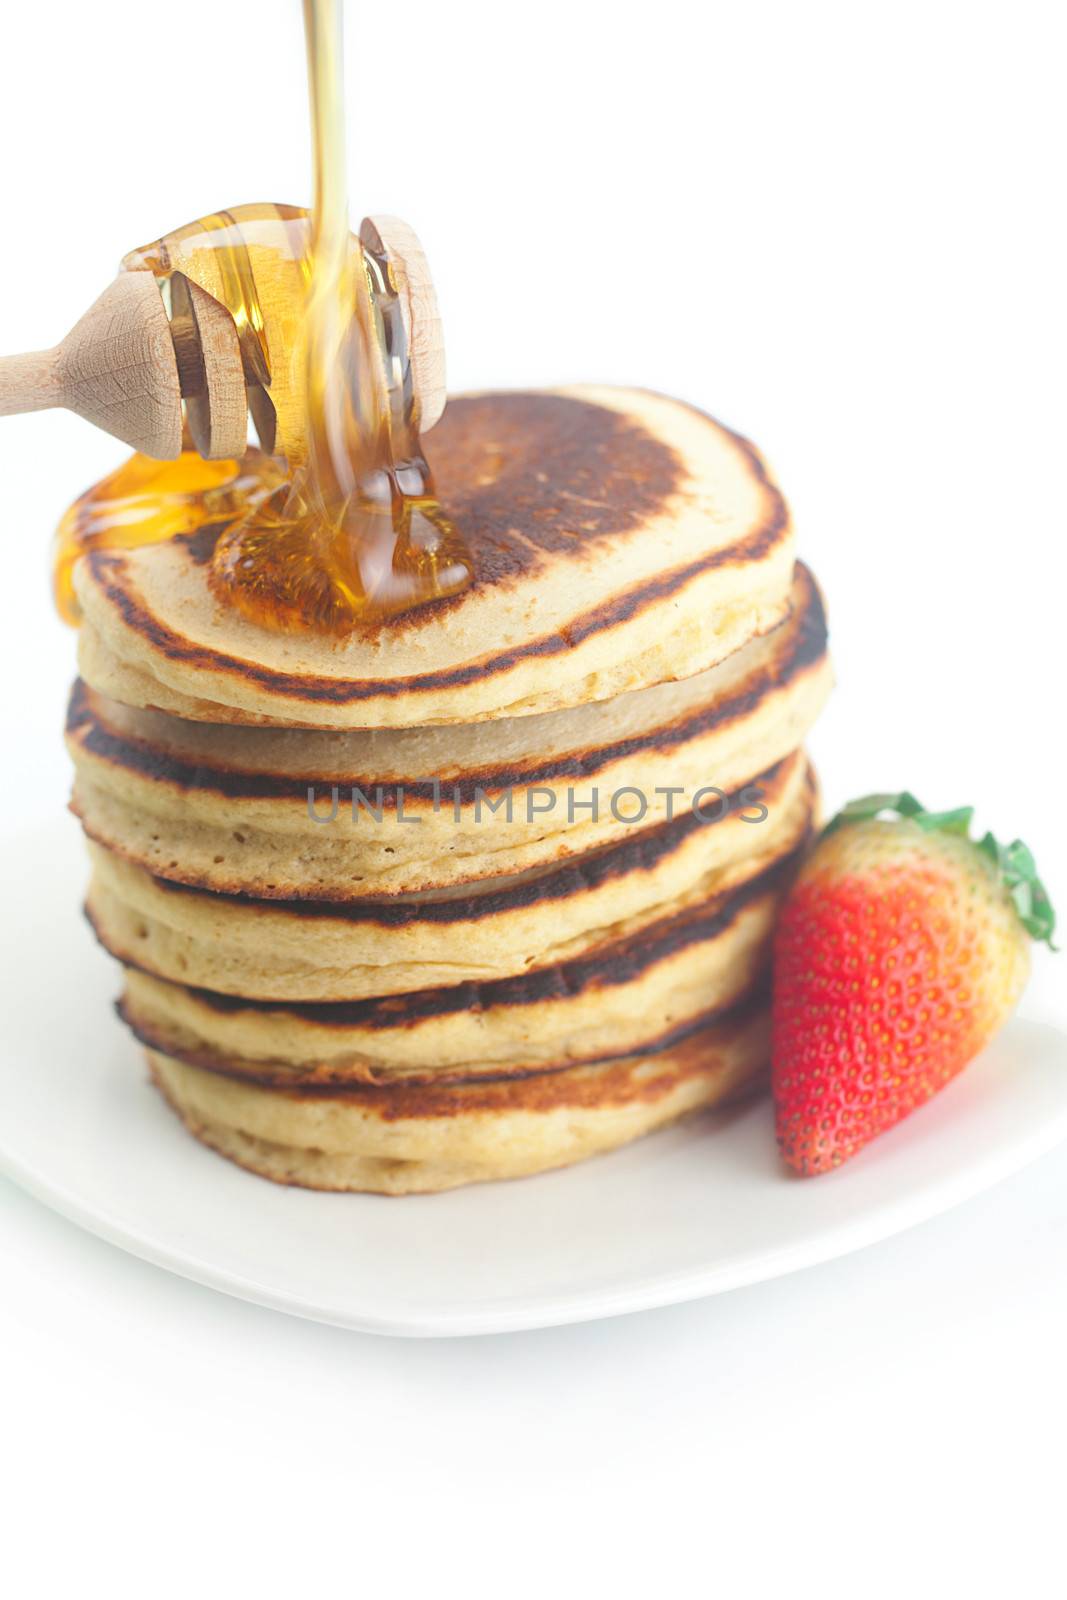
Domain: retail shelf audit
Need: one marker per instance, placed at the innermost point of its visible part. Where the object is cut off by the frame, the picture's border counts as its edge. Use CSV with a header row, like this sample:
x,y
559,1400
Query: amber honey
x,y
333,522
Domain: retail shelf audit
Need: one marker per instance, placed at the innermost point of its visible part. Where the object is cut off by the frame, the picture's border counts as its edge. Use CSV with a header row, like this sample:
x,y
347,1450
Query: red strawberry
x,y
902,948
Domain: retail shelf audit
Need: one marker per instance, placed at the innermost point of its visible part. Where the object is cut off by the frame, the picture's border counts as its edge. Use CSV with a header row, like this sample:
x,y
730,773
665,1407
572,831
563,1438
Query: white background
x,y
837,226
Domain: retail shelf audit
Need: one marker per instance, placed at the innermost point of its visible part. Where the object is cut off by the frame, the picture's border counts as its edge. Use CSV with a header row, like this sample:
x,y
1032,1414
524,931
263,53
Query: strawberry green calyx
x,y
1017,870
1013,863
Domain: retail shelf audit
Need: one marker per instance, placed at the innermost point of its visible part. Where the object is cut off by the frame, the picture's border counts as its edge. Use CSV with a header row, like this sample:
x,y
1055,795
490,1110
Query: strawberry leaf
x,y
1017,870
958,821
1014,863
872,805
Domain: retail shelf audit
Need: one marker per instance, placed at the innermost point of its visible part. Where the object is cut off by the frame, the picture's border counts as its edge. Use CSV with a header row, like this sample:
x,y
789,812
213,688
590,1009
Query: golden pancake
x,y
621,539
630,995
316,950
249,811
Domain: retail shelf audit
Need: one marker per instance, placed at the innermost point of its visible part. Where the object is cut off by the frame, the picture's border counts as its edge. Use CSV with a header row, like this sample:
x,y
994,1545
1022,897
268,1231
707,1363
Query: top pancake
x,y
620,539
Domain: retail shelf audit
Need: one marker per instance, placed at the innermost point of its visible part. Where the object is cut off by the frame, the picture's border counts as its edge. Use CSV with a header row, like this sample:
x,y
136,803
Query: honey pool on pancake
x,y
333,522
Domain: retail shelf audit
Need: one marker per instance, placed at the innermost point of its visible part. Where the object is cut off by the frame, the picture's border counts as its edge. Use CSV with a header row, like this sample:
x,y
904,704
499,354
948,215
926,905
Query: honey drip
x,y
334,522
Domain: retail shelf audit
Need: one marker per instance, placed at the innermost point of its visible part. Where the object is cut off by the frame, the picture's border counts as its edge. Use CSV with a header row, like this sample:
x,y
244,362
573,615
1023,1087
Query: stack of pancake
x,y
490,887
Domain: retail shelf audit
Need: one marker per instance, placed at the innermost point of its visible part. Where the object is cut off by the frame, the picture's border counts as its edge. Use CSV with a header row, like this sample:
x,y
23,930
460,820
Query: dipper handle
x,y
28,383
116,368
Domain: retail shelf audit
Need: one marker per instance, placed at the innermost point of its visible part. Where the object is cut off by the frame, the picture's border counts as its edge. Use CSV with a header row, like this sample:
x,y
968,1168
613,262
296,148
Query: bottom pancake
x,y
418,1139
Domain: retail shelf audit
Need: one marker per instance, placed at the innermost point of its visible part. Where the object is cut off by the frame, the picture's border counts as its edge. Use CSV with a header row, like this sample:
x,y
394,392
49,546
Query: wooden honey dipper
x,y
127,366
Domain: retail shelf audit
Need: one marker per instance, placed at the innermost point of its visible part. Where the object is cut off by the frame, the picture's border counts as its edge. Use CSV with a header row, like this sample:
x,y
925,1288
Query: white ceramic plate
x,y
688,1212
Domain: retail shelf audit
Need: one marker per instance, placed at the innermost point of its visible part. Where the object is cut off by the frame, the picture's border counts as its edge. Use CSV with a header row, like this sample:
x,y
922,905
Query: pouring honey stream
x,y
333,522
